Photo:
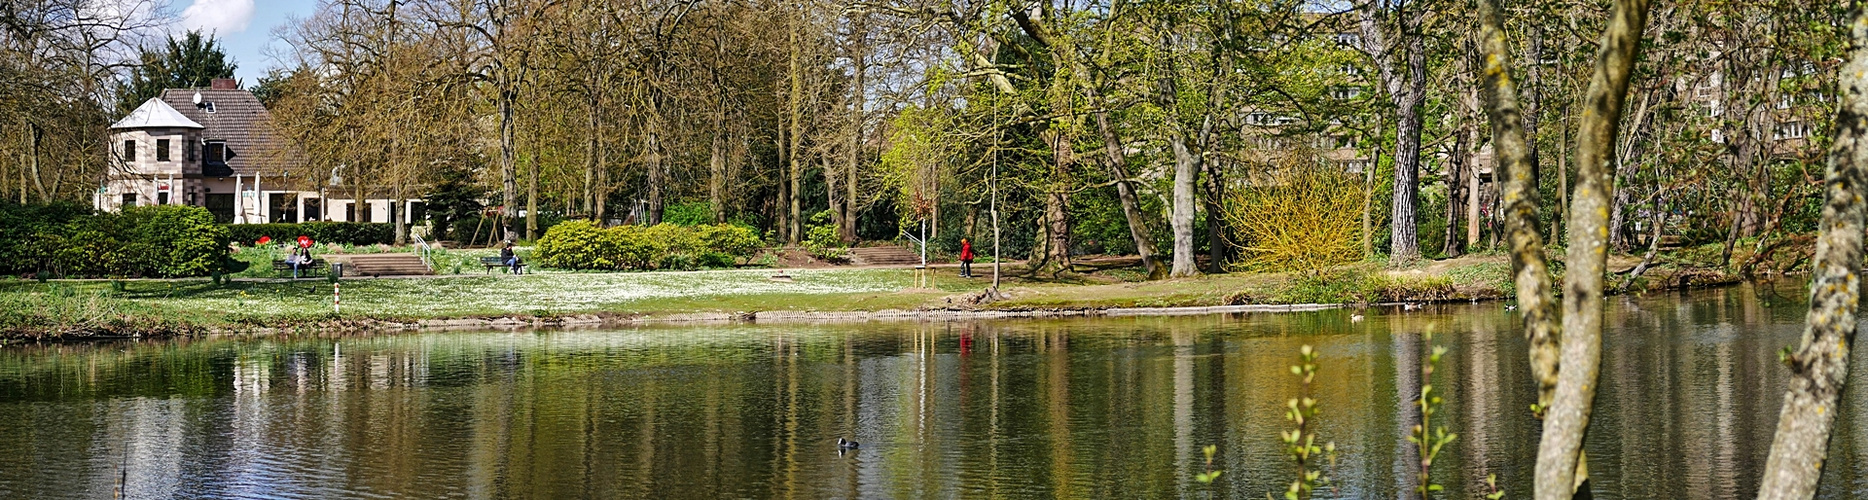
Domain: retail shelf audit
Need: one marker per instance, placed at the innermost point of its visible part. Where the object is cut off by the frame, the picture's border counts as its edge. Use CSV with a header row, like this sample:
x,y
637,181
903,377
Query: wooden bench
x,y
492,262
305,269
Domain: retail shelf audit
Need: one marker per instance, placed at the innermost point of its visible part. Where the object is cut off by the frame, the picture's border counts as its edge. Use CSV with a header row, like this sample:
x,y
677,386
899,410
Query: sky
x,y
244,28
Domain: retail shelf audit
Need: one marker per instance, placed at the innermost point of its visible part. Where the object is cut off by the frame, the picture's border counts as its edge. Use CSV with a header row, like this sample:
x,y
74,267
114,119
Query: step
x,y
884,256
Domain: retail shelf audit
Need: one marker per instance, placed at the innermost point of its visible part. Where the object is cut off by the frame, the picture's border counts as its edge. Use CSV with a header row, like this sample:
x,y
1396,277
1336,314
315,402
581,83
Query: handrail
x,y
422,245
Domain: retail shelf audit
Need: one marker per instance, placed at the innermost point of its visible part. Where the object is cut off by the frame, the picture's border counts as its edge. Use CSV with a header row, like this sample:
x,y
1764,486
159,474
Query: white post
x,y
259,202
239,200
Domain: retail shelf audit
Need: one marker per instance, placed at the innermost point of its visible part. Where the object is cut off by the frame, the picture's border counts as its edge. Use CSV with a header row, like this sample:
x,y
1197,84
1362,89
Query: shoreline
x,y
104,311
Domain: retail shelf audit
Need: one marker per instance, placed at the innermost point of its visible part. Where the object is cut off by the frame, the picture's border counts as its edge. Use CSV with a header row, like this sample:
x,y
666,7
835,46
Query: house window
x,y
1346,92
1791,130
162,150
162,197
129,150
208,106
215,153
1350,39
129,200
188,151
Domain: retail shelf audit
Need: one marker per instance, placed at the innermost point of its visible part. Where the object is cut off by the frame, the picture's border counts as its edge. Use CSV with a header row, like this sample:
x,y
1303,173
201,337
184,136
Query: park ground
x,y
159,308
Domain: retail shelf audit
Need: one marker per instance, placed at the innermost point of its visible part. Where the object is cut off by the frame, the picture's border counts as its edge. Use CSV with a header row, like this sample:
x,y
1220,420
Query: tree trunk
x,y
1563,183
1568,416
1217,245
1452,245
1407,92
1529,270
796,169
531,194
781,220
1117,162
1404,244
593,132
33,137
716,168
1185,168
652,161
846,222
509,174
1820,366
1368,203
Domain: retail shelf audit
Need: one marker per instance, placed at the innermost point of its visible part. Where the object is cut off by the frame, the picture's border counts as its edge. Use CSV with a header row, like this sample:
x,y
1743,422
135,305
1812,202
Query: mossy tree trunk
x,y
1819,367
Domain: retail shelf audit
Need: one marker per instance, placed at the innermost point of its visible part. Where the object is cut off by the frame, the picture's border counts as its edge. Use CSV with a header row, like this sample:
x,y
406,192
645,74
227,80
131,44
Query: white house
x,y
212,148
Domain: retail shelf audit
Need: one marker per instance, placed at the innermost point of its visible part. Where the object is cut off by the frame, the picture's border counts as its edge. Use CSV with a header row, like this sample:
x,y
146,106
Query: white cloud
x,y
220,17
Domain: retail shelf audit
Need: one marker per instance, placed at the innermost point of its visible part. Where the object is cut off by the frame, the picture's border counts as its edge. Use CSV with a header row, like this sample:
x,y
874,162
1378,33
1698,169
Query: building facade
x,y
212,148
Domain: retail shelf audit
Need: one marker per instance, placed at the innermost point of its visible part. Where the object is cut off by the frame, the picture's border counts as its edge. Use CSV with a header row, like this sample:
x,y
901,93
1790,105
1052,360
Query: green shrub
x,y
160,241
348,233
173,240
580,244
821,238
733,242
692,213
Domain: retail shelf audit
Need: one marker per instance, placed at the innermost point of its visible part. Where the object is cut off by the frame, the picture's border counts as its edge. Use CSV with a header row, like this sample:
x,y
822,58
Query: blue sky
x,y
245,28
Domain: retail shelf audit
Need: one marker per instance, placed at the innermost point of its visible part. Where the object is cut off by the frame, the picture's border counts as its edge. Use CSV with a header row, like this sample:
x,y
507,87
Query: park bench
x,y
492,262
306,269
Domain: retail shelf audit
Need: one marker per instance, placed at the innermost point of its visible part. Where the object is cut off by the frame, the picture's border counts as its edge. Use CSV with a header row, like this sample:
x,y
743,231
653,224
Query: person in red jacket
x,y
966,258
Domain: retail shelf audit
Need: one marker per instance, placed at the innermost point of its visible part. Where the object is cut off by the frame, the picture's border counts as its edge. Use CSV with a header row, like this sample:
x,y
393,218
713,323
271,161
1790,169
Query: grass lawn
x,y
33,309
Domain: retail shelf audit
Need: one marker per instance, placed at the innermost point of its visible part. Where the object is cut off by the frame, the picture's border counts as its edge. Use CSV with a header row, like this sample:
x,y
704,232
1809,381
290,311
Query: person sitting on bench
x,y
511,260
298,259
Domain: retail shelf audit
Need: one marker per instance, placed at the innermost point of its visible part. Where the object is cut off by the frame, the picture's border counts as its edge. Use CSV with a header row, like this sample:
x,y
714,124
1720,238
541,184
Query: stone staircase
x,y
884,256
385,264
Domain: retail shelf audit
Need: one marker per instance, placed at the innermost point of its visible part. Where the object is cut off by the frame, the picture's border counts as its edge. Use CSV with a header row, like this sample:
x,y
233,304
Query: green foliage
x,y
23,229
165,241
821,239
1300,443
174,240
578,244
1357,286
1428,443
63,312
454,204
693,213
194,60
346,233
1208,475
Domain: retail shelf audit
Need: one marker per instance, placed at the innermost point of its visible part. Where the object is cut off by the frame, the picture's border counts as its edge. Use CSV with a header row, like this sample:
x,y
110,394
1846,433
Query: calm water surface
x,y
1110,408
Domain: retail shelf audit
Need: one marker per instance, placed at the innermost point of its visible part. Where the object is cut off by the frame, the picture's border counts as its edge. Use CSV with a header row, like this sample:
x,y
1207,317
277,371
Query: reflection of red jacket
x,y
966,251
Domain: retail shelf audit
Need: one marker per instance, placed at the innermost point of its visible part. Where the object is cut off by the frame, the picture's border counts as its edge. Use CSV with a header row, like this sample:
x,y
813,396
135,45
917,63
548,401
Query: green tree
x,y
194,60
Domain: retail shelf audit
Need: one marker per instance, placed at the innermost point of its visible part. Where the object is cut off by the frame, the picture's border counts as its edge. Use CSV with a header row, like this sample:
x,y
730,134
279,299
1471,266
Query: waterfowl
x,y
1355,318
845,444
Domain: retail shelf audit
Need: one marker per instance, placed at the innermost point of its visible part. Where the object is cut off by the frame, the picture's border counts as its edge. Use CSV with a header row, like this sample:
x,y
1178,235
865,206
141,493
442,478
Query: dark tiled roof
x,y
243,122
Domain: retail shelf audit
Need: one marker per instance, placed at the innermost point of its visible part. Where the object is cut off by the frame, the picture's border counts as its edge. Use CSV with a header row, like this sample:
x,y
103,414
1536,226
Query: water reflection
x,y
1081,408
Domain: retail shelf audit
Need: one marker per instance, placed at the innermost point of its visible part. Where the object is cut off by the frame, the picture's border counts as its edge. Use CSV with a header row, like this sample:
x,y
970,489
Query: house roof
x,y
242,122
155,114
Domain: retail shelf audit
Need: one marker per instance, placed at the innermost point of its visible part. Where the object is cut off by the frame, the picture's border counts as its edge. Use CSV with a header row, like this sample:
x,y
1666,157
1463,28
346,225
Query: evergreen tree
x,y
194,60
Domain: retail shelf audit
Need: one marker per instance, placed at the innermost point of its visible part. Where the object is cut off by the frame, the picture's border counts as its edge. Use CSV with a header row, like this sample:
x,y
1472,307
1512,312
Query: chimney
x,y
225,84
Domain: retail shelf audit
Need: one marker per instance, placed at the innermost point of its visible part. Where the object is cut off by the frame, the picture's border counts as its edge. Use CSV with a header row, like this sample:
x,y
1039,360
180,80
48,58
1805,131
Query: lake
x,y
1078,408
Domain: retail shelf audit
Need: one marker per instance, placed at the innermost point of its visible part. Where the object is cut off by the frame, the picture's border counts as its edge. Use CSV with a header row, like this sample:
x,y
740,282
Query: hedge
x,y
581,244
348,233
71,241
